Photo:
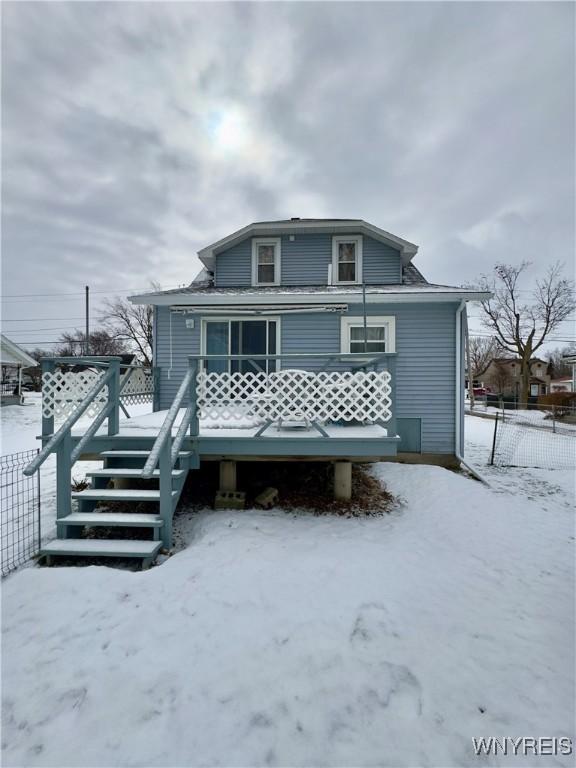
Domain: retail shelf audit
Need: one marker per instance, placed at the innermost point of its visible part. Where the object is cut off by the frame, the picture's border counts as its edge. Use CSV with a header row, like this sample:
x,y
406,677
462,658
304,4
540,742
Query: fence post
x,y
114,398
47,366
165,467
39,510
554,418
494,441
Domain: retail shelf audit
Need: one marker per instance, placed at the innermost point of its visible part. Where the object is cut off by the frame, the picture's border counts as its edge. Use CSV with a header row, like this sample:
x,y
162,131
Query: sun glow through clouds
x,y
229,130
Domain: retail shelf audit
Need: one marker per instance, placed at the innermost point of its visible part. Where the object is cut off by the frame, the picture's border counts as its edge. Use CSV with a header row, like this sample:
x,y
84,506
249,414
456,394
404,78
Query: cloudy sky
x,y
135,134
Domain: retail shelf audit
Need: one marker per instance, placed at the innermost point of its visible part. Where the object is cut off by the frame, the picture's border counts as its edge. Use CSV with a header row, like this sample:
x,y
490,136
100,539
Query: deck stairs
x,y
119,482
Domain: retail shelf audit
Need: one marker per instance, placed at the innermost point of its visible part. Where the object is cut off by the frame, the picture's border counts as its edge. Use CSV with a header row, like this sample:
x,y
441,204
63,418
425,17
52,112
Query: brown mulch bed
x,y
305,486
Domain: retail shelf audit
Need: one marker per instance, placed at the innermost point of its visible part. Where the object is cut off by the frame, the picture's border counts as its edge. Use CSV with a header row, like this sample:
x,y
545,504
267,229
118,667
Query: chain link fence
x,y
19,511
543,437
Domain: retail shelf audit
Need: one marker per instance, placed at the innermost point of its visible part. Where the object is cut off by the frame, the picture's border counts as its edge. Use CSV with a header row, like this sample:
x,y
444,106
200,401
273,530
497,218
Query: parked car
x,y
481,391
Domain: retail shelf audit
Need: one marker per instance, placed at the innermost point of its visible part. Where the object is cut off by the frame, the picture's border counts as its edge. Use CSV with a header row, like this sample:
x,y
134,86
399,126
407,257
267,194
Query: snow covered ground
x,y
289,639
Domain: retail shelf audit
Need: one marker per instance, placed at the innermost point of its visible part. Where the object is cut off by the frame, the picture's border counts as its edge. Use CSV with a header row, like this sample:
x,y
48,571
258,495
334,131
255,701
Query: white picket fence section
x,y
291,395
63,391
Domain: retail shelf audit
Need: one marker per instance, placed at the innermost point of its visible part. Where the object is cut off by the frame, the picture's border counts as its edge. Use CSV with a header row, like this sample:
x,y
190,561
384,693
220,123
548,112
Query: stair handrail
x,y
166,429
58,436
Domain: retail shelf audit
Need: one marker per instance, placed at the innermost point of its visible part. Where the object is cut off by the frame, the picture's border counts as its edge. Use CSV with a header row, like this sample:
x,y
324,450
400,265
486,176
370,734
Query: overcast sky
x,y
135,134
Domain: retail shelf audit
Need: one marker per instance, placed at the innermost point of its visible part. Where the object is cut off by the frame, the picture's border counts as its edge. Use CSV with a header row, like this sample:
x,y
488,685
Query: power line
x,y
109,291
38,319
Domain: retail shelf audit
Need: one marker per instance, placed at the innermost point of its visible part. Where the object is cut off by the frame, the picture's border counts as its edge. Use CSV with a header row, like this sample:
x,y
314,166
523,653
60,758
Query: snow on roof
x,y
12,354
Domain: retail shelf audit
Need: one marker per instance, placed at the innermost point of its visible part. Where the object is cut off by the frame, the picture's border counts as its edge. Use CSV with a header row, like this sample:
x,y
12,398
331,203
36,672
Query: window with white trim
x,y
378,336
346,260
266,261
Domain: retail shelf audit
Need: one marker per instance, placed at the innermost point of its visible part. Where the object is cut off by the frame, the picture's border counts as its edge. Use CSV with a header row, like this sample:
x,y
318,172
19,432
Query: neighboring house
x,y
13,360
295,287
563,384
502,376
571,360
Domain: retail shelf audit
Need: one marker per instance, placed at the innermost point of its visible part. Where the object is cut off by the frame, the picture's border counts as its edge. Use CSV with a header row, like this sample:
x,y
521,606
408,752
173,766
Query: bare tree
x,y
501,379
134,323
100,342
481,350
558,366
521,327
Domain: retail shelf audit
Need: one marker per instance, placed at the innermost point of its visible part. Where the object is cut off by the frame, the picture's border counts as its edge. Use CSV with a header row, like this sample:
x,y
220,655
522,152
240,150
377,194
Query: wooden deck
x,y
241,439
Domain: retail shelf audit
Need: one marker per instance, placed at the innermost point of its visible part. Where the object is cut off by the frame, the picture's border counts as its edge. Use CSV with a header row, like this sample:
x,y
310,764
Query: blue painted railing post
x,y
193,397
114,398
392,424
155,388
194,461
47,366
166,511
64,477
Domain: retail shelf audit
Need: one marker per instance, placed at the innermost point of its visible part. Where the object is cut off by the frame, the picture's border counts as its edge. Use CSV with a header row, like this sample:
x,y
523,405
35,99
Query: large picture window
x,y
240,337
379,335
346,260
266,261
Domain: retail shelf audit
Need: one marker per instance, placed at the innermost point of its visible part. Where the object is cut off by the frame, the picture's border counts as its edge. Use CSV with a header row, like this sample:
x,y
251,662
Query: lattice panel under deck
x,y
288,395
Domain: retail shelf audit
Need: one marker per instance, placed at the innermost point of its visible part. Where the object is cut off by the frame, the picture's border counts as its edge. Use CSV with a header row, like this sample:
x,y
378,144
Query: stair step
x,y
102,547
137,454
128,519
118,494
137,473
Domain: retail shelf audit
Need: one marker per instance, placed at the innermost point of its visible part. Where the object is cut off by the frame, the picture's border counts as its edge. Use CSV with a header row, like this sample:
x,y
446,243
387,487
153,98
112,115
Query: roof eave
x,y
228,299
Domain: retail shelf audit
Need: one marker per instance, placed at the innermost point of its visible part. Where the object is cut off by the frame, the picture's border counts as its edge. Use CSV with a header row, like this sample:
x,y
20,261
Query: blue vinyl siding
x,y
234,266
305,261
425,360
173,364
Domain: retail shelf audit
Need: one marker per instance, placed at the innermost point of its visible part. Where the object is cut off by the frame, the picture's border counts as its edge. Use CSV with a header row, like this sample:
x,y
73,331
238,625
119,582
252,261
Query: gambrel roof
x,y
301,226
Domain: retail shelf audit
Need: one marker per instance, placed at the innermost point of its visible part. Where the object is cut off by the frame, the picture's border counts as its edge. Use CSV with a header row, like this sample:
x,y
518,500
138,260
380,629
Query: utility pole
x,y
87,339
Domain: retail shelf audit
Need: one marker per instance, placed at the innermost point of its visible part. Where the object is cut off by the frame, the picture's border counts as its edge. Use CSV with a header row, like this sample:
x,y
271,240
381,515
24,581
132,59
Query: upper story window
x,y
266,261
346,260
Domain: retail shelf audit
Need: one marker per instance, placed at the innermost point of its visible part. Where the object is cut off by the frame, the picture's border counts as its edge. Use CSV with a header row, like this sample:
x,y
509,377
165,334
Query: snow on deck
x,y
148,425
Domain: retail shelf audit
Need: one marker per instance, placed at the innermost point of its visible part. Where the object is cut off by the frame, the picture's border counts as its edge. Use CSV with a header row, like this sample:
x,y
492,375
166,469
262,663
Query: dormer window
x,y
346,260
266,261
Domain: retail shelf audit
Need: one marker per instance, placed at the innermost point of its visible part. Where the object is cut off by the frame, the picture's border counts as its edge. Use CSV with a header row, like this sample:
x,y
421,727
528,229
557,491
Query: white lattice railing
x,y
294,395
63,391
140,386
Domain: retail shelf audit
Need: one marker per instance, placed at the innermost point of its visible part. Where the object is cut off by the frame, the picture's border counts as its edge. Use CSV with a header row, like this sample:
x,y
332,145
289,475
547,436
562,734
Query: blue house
x,y
303,287
300,339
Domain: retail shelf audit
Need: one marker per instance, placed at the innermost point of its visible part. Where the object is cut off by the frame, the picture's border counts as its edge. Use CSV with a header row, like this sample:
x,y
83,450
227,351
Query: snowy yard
x,y
288,639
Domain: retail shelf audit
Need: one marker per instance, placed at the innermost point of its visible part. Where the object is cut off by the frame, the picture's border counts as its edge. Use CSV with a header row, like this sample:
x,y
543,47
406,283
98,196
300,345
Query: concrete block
x,y
268,498
230,500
